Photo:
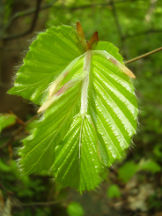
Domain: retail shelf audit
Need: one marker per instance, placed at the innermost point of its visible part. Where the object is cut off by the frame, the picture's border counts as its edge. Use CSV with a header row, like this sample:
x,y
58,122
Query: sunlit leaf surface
x,y
88,103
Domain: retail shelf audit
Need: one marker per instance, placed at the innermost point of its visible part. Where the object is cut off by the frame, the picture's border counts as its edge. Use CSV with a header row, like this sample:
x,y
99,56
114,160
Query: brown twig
x,y
116,19
33,10
49,5
143,56
48,203
27,13
81,35
119,28
81,7
137,34
33,24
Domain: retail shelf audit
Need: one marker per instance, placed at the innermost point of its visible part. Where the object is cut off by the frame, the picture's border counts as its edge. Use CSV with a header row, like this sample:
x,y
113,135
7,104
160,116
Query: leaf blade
x,y
88,105
47,58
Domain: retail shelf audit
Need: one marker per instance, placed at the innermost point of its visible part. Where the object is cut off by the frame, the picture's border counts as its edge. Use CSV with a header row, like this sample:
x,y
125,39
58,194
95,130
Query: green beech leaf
x,y
6,120
88,103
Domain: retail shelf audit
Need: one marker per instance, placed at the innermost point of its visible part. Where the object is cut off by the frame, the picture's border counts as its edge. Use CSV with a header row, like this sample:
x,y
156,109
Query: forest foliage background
x,y
133,185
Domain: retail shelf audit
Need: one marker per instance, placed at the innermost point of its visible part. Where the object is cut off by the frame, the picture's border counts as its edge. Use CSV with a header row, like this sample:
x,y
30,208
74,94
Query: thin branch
x,y
144,55
119,28
47,6
151,31
48,203
27,13
33,24
33,10
116,19
73,8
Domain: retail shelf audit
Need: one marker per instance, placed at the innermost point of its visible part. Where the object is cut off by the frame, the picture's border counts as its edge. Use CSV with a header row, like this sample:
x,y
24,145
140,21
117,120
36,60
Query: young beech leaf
x,y
88,105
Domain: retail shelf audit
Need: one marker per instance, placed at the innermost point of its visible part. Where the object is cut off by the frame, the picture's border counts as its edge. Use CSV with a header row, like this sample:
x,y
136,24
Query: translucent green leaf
x,y
88,103
48,56
81,165
6,120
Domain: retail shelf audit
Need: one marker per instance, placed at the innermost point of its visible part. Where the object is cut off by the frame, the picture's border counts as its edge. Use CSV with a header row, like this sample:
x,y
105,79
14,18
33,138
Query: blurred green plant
x,y
127,171
113,191
6,120
130,168
75,209
149,165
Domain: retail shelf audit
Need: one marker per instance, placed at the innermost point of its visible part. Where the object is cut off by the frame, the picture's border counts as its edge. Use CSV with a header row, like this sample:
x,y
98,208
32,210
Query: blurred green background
x,y
132,186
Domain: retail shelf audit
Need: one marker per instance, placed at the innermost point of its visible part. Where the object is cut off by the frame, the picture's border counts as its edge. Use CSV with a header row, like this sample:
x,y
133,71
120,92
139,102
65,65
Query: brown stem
x,y
116,20
93,40
137,34
81,35
36,204
119,28
33,24
143,56
26,13
86,6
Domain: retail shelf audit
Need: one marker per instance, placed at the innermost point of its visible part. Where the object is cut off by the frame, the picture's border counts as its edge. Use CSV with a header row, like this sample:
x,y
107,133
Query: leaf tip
x,y
93,40
80,31
128,72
